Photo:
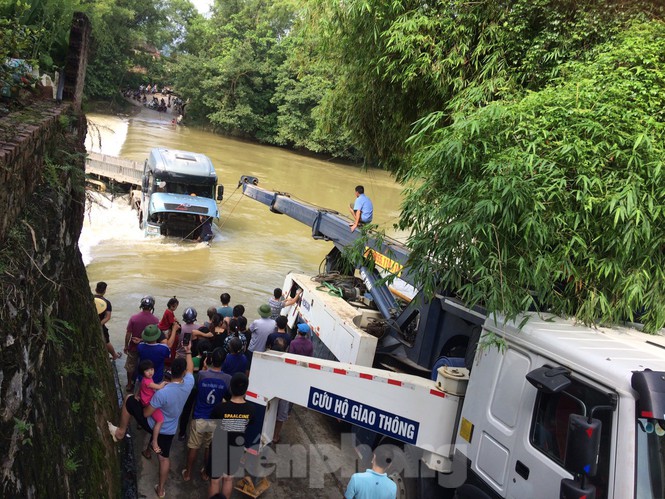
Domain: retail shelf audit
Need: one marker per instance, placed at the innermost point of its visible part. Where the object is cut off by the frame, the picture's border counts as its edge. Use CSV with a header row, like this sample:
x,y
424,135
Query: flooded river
x,y
252,252
254,249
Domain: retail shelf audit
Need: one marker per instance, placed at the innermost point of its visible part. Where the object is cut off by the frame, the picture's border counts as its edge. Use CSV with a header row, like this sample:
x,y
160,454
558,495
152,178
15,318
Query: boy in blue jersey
x,y
212,386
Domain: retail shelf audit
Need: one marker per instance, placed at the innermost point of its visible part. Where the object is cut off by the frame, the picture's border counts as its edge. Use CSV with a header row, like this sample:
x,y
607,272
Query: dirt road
x,y
314,458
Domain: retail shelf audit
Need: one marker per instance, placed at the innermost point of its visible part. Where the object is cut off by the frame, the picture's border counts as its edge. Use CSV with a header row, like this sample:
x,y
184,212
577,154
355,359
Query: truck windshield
x,y
205,191
650,458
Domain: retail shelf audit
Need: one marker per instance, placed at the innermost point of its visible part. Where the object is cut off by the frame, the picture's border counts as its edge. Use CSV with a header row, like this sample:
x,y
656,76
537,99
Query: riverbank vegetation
x,y
529,133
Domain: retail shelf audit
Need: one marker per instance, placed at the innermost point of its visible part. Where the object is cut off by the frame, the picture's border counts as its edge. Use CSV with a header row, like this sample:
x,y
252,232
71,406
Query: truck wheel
x,y
467,491
401,486
424,488
421,488
415,485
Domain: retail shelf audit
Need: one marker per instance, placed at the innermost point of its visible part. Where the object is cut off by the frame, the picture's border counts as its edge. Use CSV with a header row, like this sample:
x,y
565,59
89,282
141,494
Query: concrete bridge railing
x,y
120,170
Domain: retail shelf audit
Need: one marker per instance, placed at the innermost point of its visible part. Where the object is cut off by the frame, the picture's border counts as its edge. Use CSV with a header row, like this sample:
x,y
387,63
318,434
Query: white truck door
x,y
536,466
493,414
515,437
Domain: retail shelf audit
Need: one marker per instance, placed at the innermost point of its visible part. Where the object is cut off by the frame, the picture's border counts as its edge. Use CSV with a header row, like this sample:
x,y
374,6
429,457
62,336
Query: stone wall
x,y
56,384
24,137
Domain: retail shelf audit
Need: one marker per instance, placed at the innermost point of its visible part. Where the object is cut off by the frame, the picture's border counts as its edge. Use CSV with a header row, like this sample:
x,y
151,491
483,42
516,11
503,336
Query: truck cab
x,y
179,193
515,429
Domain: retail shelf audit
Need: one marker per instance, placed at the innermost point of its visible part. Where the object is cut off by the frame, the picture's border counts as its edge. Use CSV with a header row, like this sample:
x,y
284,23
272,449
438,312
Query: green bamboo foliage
x,y
555,199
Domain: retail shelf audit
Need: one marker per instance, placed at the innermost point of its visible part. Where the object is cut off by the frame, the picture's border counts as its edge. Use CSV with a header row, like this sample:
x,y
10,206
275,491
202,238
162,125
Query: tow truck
x,y
560,410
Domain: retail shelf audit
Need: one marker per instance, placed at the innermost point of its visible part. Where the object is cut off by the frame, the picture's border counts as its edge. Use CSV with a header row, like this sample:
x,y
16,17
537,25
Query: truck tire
x,y
467,491
415,485
423,488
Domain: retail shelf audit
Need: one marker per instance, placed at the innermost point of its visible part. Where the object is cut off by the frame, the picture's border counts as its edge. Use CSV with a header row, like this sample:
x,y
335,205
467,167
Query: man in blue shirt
x,y
362,210
374,483
213,386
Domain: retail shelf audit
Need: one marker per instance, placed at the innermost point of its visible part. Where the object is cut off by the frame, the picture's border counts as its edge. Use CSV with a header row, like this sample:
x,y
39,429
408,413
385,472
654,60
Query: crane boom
x,y
417,328
330,225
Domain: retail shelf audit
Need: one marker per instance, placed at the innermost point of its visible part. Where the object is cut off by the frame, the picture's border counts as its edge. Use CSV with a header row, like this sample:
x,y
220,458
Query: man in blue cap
x,y
301,344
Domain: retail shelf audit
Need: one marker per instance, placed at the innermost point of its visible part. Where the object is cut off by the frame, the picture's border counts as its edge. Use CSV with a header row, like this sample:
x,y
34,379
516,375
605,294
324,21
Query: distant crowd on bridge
x,y
184,378
151,97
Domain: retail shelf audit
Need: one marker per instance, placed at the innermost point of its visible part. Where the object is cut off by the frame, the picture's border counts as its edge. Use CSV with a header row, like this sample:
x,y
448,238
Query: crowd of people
x,y
186,380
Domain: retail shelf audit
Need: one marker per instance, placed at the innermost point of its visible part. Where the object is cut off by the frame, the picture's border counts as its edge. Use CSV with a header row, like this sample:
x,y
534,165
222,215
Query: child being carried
x,y
147,390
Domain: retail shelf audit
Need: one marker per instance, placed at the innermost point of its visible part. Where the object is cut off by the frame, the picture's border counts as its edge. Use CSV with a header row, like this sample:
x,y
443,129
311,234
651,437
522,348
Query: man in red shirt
x,y
137,323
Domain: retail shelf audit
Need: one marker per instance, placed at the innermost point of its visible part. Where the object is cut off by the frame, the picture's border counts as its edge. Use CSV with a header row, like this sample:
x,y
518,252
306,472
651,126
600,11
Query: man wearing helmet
x,y
191,327
137,323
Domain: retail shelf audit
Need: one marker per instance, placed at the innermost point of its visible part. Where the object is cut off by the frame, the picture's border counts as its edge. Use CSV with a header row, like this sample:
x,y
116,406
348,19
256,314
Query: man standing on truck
x,y
374,483
362,210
